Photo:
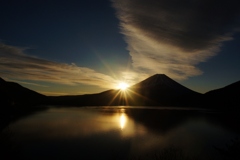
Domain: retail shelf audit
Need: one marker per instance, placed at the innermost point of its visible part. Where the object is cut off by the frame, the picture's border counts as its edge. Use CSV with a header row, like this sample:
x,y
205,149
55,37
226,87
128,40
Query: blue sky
x,y
79,47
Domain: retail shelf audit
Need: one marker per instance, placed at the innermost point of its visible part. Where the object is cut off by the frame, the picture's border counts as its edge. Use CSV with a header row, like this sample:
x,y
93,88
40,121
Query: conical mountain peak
x,y
156,80
162,84
159,75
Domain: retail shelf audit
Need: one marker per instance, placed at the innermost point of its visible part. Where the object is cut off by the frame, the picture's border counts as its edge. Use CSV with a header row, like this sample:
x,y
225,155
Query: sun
x,y
122,86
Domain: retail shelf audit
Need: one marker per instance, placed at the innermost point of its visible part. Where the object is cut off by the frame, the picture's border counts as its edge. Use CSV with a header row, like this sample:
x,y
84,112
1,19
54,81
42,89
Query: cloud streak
x,y
14,63
172,37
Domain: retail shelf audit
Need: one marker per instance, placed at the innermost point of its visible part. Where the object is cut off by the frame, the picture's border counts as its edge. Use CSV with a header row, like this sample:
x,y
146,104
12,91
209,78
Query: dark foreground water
x,y
124,133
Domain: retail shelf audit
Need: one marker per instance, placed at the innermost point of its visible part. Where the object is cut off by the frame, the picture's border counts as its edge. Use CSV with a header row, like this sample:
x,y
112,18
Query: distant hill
x,y
13,94
226,97
98,99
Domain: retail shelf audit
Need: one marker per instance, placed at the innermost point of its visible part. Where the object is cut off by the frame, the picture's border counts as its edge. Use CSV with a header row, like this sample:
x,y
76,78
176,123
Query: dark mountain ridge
x,y
226,97
159,80
13,94
157,90
163,85
162,90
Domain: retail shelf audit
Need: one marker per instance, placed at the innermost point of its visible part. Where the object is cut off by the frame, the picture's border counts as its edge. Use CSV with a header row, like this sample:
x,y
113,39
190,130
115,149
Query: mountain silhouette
x,y
226,97
159,89
163,85
13,94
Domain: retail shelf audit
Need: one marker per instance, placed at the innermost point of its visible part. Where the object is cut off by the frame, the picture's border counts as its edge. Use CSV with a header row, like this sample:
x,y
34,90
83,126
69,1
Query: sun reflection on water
x,y
122,120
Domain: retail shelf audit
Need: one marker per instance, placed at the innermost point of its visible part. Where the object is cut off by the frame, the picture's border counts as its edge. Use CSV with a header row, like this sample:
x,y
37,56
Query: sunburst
x,y
122,86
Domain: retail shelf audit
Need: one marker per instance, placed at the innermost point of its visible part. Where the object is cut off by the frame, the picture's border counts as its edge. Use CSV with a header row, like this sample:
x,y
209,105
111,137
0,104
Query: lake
x,y
123,133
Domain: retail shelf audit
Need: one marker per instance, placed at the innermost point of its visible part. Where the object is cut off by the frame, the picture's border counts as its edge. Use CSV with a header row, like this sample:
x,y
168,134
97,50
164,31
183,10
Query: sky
x,y
60,47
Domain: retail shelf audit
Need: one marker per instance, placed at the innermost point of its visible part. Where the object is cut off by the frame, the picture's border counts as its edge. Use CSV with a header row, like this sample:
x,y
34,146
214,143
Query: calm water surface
x,y
121,133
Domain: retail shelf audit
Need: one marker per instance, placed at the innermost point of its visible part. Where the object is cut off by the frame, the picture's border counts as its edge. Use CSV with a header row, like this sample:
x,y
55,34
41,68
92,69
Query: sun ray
x,y
114,98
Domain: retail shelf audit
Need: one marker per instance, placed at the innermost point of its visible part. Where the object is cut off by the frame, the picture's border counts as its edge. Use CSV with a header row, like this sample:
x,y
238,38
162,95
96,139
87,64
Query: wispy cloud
x,y
15,64
171,36
53,93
